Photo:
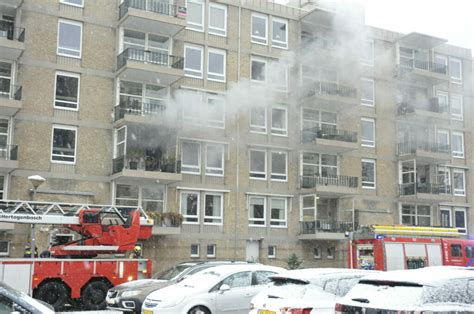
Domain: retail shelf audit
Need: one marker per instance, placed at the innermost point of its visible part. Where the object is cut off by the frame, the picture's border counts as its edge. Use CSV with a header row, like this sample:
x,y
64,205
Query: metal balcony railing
x,y
427,188
310,134
134,106
308,182
146,163
433,106
155,6
13,33
424,65
431,147
312,227
331,88
147,56
9,152
11,92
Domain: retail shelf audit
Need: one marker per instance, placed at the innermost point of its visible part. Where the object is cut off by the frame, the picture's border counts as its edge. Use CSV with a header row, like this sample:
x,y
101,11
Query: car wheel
x,y
199,310
53,293
93,296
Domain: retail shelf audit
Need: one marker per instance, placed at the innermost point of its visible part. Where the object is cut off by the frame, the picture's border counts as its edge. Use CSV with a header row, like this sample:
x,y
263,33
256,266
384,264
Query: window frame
x,y
416,215
372,185
67,74
260,60
198,207
218,124
272,251
252,220
274,176
207,167
368,62
463,210
66,2
459,192
258,128
254,38
7,253
195,255
449,211
224,68
221,217
69,128
456,80
278,43
285,212
194,26
197,73
367,102
264,173
458,117
70,22
211,29
368,143
198,167
316,256
460,153
331,252
280,131
213,254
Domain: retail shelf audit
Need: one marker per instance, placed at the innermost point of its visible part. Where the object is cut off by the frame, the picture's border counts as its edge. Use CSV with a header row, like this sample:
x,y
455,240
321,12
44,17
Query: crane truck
x,y
74,273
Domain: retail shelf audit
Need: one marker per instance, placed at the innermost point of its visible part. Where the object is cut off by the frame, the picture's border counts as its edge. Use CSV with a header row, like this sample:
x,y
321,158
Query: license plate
x,y
264,312
147,312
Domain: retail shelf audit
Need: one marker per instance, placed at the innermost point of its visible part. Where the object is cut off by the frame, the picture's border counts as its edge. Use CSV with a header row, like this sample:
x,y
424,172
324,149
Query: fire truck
x,y
384,247
78,272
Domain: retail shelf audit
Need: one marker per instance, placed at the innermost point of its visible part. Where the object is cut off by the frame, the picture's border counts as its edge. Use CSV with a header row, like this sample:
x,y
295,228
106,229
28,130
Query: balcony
x,y
152,16
324,230
165,227
135,110
432,109
331,93
8,158
333,186
435,192
12,42
10,100
429,152
421,71
330,140
144,65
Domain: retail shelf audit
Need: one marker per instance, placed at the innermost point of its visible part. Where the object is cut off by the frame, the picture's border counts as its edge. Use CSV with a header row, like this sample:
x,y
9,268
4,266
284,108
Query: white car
x,y
306,291
221,289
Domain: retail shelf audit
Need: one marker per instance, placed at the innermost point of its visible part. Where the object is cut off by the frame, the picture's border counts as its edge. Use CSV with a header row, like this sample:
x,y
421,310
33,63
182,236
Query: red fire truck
x,y
382,247
73,274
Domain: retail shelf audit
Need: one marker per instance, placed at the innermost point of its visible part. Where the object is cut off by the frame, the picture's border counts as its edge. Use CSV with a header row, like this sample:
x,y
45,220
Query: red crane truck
x,y
73,274
382,247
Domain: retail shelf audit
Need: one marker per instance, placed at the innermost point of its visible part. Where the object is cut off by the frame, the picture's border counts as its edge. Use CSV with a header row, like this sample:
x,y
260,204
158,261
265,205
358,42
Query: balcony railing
x,y
331,88
9,152
155,6
134,106
427,188
310,134
11,92
147,56
433,106
308,182
312,227
424,65
147,164
13,33
431,147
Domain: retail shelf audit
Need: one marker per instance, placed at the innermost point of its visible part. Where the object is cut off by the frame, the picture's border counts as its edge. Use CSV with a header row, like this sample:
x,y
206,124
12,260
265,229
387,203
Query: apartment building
x,y
272,129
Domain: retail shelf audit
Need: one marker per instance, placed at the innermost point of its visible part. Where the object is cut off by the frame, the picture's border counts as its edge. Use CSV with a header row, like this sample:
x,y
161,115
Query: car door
x,y
236,299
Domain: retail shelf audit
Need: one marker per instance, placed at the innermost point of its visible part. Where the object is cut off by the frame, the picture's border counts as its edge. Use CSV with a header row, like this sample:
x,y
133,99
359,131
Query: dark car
x,y
14,301
128,297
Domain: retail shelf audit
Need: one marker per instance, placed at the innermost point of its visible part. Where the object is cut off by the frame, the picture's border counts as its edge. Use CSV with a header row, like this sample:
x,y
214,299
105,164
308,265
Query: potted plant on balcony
x,y
172,219
156,216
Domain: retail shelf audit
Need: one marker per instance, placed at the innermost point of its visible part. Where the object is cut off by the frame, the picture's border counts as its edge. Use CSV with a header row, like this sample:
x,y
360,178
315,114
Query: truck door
x,y
456,254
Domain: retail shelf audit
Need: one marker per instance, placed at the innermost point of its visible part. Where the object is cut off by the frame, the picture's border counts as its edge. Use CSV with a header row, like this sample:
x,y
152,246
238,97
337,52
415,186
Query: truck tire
x,y
93,296
54,293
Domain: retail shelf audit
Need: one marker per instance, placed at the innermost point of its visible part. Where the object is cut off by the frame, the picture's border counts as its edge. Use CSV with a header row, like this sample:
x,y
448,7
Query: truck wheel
x,y
93,297
54,293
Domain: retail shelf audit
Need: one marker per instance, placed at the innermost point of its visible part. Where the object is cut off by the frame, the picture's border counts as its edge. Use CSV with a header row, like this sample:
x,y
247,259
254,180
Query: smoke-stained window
x,y
195,15
67,91
368,132
459,182
416,215
257,210
367,92
279,166
279,33
189,206
191,157
69,38
217,19
214,160
213,210
456,106
455,70
258,69
258,164
193,61
368,173
64,144
259,28
458,144
279,121
258,119
278,210
216,65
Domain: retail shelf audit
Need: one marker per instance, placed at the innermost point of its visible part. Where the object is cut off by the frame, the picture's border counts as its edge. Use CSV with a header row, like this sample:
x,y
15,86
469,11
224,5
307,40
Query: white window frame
x,y
275,176
460,153
415,215
264,173
456,116
272,251
224,60
221,169
260,40
460,209
64,127
213,254
368,102
371,185
220,124
275,72
459,192
331,249
251,220
221,217
68,74
371,44
198,209
280,131
302,208
261,60
455,80
63,21
195,73
316,256
279,43
258,128
197,246
217,30
72,4
448,210
198,167
367,142
7,253
198,27
117,143
285,219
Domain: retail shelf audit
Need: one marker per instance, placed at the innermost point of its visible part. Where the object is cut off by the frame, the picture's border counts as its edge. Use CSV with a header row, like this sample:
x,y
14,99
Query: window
x,y
458,144
441,63
367,92
126,195
195,15
279,121
259,28
213,208
4,248
193,61
5,79
258,70
308,207
368,53
211,250
258,164
319,165
64,144
271,251
202,108
445,217
77,3
316,252
156,45
258,120
456,107
217,19
443,101
279,33
216,65
214,160
257,206
67,91
443,140
215,112
330,252
416,215
278,76
189,207
455,70
151,198
368,132
279,166
278,212
69,39
142,99
460,219
459,185
368,173
2,187
194,250
191,157
120,141
456,250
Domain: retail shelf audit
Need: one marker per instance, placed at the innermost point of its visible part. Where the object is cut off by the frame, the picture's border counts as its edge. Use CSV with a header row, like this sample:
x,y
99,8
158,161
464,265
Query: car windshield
x,y
171,273
200,279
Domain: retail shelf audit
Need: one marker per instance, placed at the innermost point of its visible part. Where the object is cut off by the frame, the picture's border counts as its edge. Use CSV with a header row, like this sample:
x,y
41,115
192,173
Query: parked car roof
x,y
311,274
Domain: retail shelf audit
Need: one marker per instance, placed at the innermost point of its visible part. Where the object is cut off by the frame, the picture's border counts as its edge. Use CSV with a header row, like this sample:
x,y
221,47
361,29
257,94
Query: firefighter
x,y
27,252
136,253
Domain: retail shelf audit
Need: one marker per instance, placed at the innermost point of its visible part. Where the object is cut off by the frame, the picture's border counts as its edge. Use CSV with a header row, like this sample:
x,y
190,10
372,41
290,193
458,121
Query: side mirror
x,y
224,288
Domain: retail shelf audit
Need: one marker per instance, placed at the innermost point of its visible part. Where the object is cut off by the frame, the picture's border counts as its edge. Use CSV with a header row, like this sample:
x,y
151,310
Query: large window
x,y
216,64
368,132
368,53
149,42
308,207
142,98
64,144
217,19
258,71
151,198
368,173
191,157
260,207
279,33
459,182
214,160
258,164
215,112
77,3
213,208
367,92
319,165
189,206
279,166
195,15
279,121
455,70
278,211
257,210
258,119
193,61
69,38
259,28
67,91
456,107
459,221
458,144
202,108
416,215
5,79
4,130
278,76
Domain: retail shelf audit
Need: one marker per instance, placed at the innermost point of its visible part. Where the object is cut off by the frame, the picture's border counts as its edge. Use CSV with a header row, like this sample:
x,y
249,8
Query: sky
x,y
452,20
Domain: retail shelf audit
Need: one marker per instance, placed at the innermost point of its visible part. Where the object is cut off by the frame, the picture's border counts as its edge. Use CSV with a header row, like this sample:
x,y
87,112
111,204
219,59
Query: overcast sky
x,y
452,20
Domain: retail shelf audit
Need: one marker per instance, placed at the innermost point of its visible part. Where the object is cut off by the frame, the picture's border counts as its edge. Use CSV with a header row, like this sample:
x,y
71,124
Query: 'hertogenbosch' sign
x,y
38,219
